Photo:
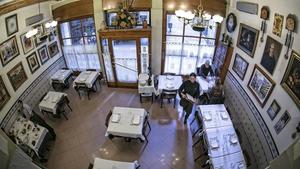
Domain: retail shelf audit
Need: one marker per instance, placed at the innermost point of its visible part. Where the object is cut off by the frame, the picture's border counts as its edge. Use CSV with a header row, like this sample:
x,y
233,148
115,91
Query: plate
x,y
207,116
136,119
224,115
115,118
233,140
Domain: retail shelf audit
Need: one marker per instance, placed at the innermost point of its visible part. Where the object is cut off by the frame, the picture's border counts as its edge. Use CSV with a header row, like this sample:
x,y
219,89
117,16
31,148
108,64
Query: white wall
x,y
22,14
283,139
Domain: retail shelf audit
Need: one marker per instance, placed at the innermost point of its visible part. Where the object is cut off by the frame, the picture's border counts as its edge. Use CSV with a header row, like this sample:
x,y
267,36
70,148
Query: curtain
x,y
82,57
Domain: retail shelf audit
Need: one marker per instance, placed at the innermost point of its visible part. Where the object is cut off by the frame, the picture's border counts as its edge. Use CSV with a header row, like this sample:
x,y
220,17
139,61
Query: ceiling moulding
x,y
61,3
16,4
137,4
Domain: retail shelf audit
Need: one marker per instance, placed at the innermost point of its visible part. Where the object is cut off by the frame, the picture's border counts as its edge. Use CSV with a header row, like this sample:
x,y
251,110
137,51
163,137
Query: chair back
x,y
65,68
169,74
156,81
76,73
108,118
169,93
91,70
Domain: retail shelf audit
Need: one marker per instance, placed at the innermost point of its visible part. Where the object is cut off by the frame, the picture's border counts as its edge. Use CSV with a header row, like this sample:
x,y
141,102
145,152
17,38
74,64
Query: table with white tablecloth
x,y
87,77
205,84
143,86
61,76
169,82
124,124
50,102
110,164
231,161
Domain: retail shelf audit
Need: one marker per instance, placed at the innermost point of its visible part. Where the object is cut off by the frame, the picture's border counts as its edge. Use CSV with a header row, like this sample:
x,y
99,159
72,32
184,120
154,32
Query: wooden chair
x,y
91,70
168,94
57,85
146,123
199,123
81,87
108,118
146,95
169,74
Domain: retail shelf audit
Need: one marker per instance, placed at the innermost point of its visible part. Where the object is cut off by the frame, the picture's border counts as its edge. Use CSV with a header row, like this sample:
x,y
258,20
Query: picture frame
x,y
33,62
51,36
273,109
27,43
39,36
4,95
282,122
9,50
277,24
231,22
291,78
260,85
17,76
271,54
11,23
240,66
53,49
247,39
43,54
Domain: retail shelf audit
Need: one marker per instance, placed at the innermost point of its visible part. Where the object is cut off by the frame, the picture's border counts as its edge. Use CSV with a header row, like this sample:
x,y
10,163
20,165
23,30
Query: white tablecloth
x,y
109,164
231,161
124,127
218,141
50,101
28,133
204,84
214,116
169,82
87,77
61,75
146,88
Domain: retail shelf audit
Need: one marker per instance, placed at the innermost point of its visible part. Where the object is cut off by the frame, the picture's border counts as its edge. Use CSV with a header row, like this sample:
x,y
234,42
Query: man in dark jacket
x,y
188,89
205,70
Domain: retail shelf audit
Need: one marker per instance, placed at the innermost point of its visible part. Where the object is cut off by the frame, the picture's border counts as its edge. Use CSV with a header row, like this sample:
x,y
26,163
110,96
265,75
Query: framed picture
x,y
260,85
240,66
277,24
27,43
39,36
33,62
4,95
53,49
284,119
9,50
291,78
43,54
51,36
11,23
17,76
271,54
247,39
231,22
273,109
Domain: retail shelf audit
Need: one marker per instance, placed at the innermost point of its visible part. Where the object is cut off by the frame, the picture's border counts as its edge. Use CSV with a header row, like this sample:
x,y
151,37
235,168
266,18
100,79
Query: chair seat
x,y
146,94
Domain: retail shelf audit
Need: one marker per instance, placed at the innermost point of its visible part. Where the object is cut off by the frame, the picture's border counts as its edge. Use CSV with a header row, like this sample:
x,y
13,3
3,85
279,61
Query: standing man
x,y
29,114
188,89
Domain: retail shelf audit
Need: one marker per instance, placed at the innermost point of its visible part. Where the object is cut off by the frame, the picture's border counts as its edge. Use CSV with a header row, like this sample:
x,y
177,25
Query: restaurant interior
x,y
149,84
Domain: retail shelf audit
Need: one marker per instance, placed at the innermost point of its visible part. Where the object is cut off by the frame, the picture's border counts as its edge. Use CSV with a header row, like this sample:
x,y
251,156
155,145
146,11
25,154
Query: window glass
x,y
174,25
88,27
75,28
65,30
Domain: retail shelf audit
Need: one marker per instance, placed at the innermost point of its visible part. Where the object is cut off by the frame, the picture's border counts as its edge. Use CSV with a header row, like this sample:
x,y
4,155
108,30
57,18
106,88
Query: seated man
x,y
190,87
205,70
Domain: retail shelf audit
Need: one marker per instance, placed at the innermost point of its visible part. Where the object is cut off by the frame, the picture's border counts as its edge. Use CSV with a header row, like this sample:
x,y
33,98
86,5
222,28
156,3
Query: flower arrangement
x,y
124,18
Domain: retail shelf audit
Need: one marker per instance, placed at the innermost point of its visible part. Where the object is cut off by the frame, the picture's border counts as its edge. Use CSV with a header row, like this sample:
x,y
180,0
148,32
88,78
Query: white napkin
x,y
233,139
207,116
214,143
169,85
115,118
224,115
87,72
46,97
136,119
82,79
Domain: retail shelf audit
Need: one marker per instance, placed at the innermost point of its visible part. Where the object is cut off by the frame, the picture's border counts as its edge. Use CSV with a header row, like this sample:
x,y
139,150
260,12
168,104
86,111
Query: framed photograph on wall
x,y
4,95
277,24
33,62
27,43
240,66
291,78
271,54
53,49
39,40
273,110
284,119
260,85
9,50
11,23
43,54
247,39
17,76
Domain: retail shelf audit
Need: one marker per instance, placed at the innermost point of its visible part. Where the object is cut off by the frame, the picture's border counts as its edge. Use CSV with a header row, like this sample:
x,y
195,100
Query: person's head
x,y
193,77
271,49
207,63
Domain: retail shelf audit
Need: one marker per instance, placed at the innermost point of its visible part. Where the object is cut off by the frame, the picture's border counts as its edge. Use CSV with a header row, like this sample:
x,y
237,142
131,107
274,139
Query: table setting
x,y
50,101
86,77
169,82
110,164
61,75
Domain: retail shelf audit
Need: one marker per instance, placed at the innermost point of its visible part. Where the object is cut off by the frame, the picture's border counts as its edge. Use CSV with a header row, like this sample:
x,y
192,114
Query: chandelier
x,y
199,20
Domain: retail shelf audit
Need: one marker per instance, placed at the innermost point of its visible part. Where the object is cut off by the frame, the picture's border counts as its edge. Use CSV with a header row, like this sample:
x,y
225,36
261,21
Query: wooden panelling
x,y
211,6
14,5
74,10
125,33
112,4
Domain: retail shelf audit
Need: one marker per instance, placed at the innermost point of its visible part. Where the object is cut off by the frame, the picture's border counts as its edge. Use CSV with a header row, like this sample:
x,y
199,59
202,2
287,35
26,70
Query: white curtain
x,y
81,57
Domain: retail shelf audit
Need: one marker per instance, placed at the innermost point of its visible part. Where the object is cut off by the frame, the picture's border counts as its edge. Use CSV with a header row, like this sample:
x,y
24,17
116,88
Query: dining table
x,y
169,82
205,84
127,122
230,161
50,101
61,75
87,77
143,86
100,163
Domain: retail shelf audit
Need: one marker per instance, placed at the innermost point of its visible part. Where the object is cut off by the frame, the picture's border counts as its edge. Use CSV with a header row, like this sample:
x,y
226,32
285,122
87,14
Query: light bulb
x,y
217,18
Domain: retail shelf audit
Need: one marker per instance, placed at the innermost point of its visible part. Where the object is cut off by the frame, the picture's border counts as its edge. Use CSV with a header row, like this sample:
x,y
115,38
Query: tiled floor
x,y
82,137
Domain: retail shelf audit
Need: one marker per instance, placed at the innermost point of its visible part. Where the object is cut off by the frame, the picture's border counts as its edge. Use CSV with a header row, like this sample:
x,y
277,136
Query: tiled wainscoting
x,y
256,140
34,92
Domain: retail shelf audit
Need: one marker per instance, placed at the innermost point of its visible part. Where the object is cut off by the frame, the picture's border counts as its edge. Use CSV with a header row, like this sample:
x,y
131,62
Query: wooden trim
x,y
11,6
113,4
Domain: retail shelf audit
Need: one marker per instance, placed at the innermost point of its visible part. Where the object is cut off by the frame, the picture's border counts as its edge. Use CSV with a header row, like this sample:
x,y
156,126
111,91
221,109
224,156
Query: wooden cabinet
x,y
221,60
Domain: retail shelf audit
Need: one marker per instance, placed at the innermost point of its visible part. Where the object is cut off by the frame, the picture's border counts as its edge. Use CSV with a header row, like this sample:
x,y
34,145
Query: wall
x,y
283,139
23,13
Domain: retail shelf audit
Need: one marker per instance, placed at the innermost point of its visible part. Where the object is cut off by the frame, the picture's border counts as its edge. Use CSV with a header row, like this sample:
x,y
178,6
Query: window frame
x,y
165,35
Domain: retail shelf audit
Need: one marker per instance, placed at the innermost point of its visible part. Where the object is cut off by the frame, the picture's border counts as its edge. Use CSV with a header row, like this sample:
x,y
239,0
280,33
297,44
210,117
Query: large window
x,y
187,49
79,44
